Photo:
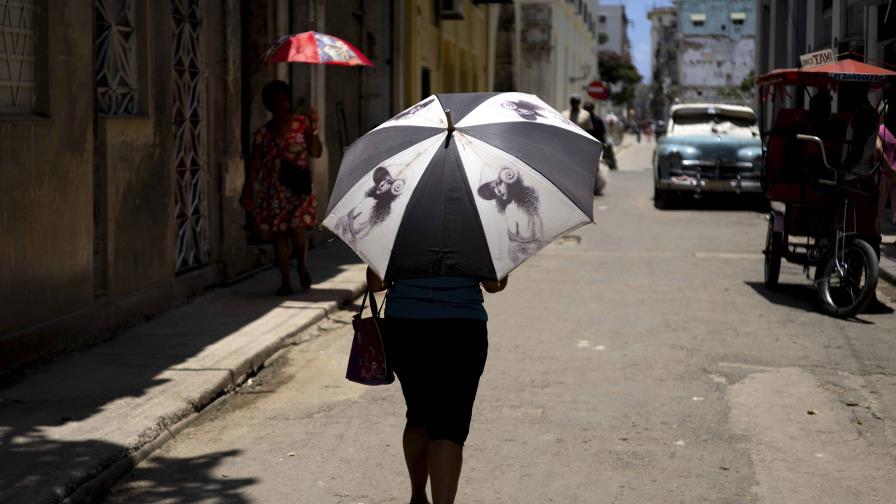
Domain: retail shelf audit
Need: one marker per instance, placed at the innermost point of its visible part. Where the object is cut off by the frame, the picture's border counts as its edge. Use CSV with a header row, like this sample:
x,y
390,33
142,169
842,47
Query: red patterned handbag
x,y
367,362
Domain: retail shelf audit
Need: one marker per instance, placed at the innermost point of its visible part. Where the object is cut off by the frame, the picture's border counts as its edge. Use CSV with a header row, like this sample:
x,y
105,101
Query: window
x,y
738,18
116,58
698,19
601,19
17,75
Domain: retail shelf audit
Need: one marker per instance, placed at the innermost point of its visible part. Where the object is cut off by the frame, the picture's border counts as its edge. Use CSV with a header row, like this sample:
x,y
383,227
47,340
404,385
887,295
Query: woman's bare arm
x,y
492,286
374,282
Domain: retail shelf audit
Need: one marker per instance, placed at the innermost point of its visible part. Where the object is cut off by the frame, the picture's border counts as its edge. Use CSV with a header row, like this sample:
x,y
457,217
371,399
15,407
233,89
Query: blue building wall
x,y
718,18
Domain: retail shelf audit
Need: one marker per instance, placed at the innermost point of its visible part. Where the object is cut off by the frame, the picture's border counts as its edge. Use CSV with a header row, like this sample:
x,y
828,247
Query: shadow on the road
x,y
173,481
45,454
718,202
801,296
875,307
805,297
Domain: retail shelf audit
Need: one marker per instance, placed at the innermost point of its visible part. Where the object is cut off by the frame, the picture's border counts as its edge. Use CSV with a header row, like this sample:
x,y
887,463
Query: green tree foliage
x,y
746,85
615,68
602,38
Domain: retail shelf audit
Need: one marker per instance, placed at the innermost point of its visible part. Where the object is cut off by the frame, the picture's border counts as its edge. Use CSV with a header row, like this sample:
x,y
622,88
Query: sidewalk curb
x,y
889,276
170,425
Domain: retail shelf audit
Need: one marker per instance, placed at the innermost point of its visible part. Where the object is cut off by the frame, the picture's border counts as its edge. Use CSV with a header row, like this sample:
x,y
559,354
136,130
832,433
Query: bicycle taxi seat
x,y
795,168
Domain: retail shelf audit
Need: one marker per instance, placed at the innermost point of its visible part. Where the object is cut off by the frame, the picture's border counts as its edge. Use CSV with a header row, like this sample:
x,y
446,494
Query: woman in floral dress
x,y
283,143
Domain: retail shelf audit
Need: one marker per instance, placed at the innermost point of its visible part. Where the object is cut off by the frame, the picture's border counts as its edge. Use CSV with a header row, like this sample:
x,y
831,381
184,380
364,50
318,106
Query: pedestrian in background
x,y
578,116
285,205
599,132
436,340
885,148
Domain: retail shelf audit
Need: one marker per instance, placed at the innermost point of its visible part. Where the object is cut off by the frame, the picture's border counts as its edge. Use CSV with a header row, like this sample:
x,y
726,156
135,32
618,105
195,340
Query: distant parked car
x,y
707,148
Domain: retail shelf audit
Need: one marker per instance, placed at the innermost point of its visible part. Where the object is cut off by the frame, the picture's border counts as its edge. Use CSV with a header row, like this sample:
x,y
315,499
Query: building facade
x,y
449,48
789,28
664,60
716,49
547,48
118,162
612,29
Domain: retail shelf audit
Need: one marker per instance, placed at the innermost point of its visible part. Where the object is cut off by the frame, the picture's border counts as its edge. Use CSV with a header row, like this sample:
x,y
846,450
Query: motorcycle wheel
x,y
774,248
846,295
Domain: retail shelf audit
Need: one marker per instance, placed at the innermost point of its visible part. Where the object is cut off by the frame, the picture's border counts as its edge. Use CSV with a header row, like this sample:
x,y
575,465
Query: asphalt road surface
x,y
636,361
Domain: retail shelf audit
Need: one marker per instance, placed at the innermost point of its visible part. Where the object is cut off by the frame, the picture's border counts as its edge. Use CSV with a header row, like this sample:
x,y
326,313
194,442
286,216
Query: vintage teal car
x,y
707,148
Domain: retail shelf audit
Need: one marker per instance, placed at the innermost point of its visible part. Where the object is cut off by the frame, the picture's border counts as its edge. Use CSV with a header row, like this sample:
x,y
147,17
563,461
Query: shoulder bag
x,y
367,363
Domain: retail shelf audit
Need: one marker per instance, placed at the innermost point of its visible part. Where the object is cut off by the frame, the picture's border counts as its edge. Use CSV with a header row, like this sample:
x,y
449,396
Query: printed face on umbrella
x,y
526,110
383,182
374,209
507,188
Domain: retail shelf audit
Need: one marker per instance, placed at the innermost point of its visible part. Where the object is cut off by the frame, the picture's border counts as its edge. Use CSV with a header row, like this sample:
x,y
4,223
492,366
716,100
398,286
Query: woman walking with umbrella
x,y
467,204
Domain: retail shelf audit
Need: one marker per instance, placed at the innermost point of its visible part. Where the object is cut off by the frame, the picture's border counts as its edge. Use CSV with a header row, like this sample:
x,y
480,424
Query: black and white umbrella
x,y
466,184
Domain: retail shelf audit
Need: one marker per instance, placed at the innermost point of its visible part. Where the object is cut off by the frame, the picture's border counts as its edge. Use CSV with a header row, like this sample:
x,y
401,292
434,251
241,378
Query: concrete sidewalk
x,y
73,425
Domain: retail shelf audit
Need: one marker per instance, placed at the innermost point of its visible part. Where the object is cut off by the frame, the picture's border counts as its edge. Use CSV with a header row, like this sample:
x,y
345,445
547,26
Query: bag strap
x,y
373,305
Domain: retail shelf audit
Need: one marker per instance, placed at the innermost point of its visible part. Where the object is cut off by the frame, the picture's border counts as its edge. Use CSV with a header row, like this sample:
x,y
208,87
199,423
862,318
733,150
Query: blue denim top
x,y
436,298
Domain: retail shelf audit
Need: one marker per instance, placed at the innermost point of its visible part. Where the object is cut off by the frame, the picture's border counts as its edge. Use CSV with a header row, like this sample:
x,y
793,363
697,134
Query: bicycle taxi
x,y
823,212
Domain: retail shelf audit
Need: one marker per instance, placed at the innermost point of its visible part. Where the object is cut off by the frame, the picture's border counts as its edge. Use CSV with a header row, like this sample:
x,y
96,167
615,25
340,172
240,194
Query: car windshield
x,y
713,120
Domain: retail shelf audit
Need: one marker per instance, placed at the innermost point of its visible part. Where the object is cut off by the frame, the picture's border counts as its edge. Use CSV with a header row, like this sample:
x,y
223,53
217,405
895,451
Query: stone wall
x,y
87,211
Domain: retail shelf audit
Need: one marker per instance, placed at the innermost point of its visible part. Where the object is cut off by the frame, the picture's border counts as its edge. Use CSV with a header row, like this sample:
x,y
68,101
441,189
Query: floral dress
x,y
278,209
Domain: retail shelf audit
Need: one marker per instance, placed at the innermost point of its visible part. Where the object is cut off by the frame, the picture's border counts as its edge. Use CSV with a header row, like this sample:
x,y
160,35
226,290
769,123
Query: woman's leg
x,y
415,442
281,252
299,238
445,461
453,395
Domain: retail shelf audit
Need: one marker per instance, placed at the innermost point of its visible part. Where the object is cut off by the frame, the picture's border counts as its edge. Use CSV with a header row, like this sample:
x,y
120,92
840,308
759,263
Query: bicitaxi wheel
x,y
774,249
846,290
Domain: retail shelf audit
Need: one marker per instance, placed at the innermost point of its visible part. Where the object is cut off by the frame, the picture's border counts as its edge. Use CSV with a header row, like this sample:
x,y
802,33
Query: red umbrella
x,y
315,47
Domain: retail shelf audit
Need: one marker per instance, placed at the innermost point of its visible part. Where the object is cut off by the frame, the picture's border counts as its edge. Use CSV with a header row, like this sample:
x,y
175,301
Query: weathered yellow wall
x,y
457,52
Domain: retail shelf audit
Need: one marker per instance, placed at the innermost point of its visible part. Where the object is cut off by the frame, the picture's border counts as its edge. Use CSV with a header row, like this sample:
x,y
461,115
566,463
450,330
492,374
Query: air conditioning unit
x,y
451,9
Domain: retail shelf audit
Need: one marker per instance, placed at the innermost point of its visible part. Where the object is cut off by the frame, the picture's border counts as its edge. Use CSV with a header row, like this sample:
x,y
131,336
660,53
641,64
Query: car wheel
x,y
662,199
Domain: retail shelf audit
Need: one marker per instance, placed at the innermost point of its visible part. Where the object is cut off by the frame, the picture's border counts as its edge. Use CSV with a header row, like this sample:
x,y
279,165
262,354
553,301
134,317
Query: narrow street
x,y
639,360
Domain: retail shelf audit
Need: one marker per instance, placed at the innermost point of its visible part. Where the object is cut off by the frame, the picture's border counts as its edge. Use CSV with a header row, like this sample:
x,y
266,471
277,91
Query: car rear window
x,y
701,116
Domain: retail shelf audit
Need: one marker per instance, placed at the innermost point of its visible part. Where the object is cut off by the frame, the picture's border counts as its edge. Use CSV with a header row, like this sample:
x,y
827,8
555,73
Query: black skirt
x,y
438,362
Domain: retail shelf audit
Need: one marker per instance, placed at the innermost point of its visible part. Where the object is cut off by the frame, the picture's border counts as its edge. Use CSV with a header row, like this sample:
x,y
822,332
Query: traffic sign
x,y
598,90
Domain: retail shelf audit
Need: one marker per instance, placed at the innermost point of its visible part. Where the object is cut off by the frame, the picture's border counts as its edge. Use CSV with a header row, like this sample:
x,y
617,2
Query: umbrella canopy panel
x,y
315,47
